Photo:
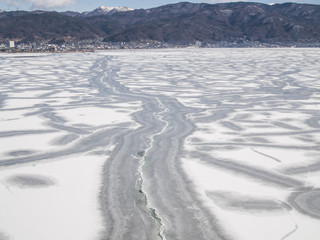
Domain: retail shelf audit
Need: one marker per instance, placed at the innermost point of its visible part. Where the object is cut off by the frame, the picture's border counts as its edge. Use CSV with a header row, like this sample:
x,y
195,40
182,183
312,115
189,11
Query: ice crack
x,y
140,181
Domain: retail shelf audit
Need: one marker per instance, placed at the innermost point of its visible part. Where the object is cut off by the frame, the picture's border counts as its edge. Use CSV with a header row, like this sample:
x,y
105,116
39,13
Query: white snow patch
x,y
67,210
94,116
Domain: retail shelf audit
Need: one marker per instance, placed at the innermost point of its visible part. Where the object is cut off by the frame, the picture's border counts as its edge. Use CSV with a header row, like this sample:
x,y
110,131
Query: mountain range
x,y
174,23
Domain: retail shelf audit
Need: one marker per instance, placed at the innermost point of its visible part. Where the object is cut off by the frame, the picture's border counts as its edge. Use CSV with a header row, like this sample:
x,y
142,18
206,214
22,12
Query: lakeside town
x,y
99,44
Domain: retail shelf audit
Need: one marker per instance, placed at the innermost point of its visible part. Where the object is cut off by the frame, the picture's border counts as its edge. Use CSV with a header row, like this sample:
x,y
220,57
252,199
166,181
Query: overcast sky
x,y
88,5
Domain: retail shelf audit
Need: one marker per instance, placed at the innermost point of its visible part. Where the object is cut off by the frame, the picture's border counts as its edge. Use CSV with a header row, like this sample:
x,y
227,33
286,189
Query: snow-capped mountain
x,y
106,11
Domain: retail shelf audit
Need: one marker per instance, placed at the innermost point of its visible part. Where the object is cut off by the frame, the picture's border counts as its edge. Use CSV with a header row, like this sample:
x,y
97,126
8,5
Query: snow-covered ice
x,y
67,209
160,144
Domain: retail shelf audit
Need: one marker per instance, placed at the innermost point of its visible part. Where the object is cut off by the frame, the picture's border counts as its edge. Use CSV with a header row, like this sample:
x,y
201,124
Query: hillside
x,y
174,23
46,26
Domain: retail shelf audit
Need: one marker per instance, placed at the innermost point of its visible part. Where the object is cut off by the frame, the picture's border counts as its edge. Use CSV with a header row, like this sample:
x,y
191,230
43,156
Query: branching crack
x,y
140,181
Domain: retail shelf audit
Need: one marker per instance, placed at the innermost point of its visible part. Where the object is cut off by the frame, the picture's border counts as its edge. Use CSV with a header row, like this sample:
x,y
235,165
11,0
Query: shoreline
x,y
124,49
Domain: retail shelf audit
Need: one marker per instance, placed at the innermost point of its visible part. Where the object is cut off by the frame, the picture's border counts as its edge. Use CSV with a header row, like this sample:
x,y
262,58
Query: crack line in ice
x,y
119,89
292,219
266,155
152,211
292,231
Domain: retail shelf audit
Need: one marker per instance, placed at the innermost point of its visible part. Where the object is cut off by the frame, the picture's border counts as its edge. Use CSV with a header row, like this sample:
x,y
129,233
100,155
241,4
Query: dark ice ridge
x,y
238,202
124,203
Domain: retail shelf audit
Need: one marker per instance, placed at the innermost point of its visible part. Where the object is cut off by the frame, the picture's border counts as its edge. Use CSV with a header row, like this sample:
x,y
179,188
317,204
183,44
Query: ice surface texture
x,y
163,144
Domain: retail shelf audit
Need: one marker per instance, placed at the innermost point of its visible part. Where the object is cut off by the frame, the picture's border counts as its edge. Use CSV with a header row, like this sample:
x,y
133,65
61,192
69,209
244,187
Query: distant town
x,y
98,45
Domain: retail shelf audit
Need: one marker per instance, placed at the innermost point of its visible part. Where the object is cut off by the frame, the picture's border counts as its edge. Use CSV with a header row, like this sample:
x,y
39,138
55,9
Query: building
x,y
11,44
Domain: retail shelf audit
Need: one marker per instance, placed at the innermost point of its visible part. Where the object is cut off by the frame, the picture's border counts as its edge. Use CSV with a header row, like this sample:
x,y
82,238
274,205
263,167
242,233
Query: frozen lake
x,y
175,144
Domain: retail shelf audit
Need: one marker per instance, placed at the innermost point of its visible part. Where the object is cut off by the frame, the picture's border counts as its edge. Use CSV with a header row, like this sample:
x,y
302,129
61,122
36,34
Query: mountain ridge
x,y
100,11
181,23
